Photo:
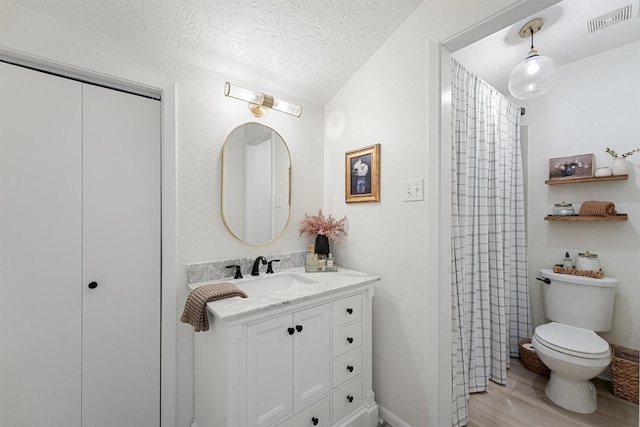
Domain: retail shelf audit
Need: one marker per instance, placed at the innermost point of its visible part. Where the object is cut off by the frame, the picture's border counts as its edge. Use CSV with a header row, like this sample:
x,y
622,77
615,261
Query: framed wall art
x,y
362,177
580,166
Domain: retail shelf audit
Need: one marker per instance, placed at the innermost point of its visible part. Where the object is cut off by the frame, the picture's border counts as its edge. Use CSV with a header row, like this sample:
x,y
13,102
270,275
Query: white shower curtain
x,y
490,295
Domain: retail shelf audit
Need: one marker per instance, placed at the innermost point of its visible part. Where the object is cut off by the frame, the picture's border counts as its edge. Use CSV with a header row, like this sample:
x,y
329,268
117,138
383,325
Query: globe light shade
x,y
532,77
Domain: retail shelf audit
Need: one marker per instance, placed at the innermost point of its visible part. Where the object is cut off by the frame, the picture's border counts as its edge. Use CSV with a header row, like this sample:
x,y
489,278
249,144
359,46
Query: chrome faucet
x,y
255,271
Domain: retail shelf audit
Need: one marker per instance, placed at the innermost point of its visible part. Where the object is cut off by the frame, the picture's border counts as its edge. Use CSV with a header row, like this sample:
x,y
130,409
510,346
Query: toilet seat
x,y
572,341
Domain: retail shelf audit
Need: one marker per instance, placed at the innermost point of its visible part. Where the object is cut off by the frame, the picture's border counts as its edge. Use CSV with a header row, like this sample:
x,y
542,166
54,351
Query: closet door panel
x,y
121,205
40,248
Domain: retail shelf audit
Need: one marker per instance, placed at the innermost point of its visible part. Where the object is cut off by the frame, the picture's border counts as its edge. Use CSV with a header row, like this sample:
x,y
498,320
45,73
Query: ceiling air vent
x,y
608,19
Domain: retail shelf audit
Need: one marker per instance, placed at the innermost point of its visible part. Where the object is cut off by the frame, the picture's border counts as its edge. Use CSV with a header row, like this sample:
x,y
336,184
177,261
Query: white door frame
x,y
439,302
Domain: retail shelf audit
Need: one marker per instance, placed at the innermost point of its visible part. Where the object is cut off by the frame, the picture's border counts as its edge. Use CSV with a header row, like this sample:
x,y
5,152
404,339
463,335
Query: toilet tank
x,y
579,301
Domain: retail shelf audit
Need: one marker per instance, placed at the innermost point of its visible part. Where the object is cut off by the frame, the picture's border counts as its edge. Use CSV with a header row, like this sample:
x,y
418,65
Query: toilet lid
x,y
571,340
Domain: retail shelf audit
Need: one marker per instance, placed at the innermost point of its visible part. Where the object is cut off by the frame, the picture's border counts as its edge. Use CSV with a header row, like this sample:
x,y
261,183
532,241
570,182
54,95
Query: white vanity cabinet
x,y
306,362
288,364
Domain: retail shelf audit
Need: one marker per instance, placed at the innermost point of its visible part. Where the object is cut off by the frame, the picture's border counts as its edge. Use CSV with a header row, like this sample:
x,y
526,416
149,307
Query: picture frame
x,y
362,175
571,167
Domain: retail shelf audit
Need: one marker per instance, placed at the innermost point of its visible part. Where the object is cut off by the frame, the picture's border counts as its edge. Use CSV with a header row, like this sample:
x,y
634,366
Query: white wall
x,y
387,102
204,118
594,104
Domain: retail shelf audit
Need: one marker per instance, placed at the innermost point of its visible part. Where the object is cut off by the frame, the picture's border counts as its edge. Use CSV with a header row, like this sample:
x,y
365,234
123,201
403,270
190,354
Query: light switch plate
x,y
413,190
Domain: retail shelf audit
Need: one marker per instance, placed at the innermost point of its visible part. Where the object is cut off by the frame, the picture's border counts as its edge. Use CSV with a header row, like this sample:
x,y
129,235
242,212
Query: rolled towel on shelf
x,y
594,208
195,309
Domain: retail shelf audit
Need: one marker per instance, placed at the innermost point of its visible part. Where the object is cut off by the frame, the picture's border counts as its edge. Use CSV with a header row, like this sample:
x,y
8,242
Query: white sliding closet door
x,y
121,246
40,248
79,203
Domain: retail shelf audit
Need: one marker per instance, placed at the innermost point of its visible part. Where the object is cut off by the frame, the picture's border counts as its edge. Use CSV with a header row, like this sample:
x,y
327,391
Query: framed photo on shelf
x,y
362,175
580,166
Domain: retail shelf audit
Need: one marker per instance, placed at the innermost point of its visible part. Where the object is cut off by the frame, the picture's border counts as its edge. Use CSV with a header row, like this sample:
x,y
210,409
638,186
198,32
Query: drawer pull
x,y
350,368
350,310
299,328
350,339
350,399
291,331
314,421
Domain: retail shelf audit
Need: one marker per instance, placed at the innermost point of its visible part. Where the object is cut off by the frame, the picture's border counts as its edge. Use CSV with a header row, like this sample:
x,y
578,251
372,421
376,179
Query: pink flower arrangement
x,y
313,225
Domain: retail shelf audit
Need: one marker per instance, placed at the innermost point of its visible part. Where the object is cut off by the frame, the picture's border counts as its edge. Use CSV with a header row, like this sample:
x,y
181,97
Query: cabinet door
x,y
269,373
121,245
40,248
311,355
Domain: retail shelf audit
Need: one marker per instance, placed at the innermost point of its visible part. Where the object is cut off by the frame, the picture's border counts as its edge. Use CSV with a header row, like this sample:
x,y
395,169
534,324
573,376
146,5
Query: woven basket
x,y
557,268
530,359
624,369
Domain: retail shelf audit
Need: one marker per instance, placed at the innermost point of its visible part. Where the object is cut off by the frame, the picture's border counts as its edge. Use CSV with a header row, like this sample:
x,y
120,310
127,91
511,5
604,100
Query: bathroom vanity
x,y
296,353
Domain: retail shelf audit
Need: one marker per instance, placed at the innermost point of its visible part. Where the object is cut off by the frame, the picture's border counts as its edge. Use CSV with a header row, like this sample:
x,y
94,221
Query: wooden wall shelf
x,y
618,217
589,179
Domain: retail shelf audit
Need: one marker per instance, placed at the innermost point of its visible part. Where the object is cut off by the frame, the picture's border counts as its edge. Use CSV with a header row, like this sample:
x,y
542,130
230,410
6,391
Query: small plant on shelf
x,y
615,155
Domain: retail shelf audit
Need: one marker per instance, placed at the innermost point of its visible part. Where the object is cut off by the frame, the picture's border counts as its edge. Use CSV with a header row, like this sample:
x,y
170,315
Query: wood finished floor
x,y
522,402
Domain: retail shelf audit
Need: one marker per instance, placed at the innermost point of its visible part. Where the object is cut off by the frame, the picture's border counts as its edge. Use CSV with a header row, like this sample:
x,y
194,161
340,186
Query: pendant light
x,y
536,74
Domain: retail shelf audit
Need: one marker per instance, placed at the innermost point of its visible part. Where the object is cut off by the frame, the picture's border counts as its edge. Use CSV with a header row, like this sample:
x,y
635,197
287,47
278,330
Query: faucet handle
x,y
238,274
269,267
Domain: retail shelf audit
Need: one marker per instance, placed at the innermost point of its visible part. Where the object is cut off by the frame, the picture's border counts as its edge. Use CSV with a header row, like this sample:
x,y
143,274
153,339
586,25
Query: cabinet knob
x,y
350,368
314,421
299,328
350,339
350,310
291,331
93,285
350,399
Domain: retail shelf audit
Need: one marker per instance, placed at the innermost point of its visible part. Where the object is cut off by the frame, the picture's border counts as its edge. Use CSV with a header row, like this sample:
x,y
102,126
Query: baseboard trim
x,y
390,417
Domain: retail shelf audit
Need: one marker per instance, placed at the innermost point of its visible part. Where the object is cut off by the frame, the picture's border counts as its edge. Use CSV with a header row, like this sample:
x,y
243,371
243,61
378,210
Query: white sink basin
x,y
265,285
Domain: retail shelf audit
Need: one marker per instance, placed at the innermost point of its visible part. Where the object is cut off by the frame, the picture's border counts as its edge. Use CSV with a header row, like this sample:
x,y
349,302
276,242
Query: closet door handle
x,y
93,285
291,331
350,340
299,328
314,421
350,399
350,368
350,310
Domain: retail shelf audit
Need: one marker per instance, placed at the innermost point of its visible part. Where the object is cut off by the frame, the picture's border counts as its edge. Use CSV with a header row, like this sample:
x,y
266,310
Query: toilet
x,y
577,307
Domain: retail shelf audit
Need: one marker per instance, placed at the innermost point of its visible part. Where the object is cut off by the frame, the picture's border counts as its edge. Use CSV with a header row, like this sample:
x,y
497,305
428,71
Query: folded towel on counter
x,y
195,309
593,208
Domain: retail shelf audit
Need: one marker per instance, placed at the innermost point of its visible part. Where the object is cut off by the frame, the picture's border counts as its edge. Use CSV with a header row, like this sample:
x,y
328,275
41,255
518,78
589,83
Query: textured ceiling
x,y
304,48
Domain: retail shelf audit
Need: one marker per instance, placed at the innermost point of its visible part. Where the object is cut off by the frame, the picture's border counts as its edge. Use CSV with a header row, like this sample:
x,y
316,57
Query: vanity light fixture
x,y
536,74
260,102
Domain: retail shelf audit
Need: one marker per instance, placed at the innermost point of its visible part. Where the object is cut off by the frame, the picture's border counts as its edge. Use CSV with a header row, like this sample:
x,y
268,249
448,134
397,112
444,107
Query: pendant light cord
x,y
531,38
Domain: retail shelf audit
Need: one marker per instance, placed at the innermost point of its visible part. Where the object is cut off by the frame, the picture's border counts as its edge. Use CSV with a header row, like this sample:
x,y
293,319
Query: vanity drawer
x,y
347,338
347,366
347,399
347,310
318,413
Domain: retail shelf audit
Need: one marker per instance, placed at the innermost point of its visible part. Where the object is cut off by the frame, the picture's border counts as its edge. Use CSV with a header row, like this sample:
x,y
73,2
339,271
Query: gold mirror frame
x,y
256,174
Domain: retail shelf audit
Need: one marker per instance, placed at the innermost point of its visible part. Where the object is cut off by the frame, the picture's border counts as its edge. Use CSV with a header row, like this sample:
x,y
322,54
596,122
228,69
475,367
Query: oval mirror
x,y
256,183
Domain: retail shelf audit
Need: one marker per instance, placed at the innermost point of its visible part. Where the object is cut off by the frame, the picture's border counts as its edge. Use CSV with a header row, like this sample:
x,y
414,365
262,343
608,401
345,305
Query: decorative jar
x,y
563,209
619,166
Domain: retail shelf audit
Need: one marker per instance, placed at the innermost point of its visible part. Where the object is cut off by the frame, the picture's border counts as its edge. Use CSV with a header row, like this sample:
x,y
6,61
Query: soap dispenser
x,y
567,263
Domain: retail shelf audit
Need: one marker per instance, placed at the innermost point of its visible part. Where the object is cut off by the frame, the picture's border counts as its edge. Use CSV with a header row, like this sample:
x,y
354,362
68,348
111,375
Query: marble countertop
x,y
322,284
